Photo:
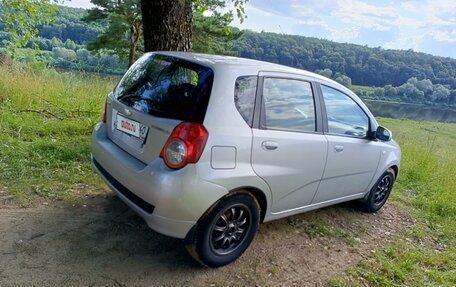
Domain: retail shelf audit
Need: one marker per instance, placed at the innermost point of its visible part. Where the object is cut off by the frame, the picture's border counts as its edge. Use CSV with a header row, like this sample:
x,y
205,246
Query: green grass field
x,y
426,187
46,119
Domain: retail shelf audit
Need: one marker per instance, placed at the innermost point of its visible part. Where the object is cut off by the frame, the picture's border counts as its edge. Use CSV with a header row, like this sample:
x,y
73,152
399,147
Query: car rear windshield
x,y
168,87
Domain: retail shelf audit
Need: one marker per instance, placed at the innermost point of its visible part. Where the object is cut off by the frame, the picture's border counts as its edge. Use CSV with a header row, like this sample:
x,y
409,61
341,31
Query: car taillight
x,y
185,145
104,111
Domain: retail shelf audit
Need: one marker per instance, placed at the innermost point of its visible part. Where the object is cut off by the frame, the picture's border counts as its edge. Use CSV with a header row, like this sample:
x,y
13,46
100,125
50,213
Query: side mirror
x,y
383,134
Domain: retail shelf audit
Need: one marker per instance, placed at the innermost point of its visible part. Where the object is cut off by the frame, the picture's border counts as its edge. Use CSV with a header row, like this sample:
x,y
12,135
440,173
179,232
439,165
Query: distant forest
x,y
397,75
63,44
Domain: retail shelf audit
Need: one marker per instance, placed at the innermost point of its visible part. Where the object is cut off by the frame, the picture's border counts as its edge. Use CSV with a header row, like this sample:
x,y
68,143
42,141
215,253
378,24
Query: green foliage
x,y
338,77
123,34
69,25
69,44
235,7
20,19
113,39
344,80
63,53
413,91
58,41
210,35
211,31
325,72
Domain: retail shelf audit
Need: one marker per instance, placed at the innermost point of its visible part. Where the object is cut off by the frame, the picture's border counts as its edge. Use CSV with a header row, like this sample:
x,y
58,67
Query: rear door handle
x,y
338,148
269,145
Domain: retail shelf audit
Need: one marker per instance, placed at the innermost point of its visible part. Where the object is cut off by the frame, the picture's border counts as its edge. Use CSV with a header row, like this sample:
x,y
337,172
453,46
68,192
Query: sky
x,y
427,26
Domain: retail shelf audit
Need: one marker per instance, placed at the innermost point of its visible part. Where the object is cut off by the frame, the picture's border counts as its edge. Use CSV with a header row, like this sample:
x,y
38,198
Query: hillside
x,y
63,44
398,75
365,66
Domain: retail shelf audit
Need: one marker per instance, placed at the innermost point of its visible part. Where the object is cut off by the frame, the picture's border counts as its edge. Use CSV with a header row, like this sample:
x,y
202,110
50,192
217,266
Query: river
x,y
412,111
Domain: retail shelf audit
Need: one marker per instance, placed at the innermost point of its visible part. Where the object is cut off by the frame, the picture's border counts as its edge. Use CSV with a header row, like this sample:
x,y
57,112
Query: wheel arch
x,y
395,168
258,195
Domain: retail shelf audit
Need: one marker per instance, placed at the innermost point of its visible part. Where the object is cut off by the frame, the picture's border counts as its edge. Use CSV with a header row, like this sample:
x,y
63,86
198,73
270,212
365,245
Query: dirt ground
x,y
101,242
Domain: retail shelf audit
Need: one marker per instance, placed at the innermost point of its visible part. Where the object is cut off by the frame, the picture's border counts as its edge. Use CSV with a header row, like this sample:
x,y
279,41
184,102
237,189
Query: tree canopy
x,y
123,33
20,19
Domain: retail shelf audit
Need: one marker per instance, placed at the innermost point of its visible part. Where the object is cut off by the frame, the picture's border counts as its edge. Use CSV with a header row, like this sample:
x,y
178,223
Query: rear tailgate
x,y
156,94
154,131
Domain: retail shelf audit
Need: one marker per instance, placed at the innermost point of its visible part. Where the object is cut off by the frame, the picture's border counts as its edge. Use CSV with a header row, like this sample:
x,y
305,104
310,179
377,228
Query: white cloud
x,y
406,41
78,3
445,36
253,9
344,35
362,15
339,35
437,21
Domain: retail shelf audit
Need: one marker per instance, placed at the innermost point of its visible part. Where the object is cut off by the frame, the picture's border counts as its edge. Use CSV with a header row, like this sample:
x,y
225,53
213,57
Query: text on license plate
x,y
128,126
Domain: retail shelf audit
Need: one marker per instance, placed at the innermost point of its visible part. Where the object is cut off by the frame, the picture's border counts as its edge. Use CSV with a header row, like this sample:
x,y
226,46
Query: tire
x,y
226,231
379,193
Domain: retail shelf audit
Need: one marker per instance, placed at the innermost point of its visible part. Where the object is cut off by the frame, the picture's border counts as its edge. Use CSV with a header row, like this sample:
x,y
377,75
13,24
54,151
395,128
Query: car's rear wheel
x,y
226,231
379,193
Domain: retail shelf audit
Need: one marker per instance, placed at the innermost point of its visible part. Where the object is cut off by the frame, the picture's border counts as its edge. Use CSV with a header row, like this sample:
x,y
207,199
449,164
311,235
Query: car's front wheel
x,y
379,193
226,231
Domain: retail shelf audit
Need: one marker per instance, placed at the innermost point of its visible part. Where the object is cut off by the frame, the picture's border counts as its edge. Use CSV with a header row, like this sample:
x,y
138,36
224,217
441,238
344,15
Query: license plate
x,y
131,127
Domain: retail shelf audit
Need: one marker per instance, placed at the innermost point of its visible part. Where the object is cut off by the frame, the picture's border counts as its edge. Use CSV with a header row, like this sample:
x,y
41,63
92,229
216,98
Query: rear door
x,y
352,157
289,148
155,95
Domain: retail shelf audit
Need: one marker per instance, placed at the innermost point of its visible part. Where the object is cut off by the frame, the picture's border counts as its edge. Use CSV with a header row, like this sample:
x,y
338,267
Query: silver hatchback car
x,y
205,148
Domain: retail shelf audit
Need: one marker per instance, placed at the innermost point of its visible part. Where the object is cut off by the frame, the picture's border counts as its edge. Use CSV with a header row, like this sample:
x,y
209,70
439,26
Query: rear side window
x,y
288,105
167,87
244,96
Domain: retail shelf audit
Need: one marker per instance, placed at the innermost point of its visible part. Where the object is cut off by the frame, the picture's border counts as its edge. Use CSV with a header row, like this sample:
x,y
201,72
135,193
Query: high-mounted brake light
x,y
185,145
104,111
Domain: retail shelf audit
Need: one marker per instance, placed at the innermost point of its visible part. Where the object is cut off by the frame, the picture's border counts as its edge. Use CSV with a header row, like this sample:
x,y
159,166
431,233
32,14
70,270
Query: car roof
x,y
218,61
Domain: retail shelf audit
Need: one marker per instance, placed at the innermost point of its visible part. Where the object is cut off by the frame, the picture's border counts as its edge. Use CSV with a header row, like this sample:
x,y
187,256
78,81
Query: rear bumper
x,y
171,202
174,228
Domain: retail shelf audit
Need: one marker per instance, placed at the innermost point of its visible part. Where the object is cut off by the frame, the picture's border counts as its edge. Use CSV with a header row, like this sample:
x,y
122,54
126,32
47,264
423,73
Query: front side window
x,y
167,87
288,105
345,117
244,96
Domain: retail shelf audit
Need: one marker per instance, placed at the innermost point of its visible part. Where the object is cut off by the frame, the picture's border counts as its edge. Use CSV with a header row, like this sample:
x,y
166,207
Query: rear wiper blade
x,y
127,96
133,96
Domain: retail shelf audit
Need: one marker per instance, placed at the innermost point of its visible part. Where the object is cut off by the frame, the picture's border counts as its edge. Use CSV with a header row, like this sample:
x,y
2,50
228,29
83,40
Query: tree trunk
x,y
132,52
167,25
135,36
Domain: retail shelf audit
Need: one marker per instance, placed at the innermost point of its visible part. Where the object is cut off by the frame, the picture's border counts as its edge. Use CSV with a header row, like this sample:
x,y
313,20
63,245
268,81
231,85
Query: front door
x,y
352,157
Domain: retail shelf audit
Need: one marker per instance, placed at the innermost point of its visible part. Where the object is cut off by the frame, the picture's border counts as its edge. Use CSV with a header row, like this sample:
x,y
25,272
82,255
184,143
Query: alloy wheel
x,y
382,190
230,229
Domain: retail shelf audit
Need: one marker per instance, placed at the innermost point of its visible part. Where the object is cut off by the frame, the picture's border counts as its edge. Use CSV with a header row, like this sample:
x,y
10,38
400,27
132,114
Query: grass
x,y
46,119
322,225
426,254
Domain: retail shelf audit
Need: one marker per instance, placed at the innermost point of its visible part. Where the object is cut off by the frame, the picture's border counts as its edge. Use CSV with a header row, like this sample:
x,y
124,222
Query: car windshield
x,y
167,87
